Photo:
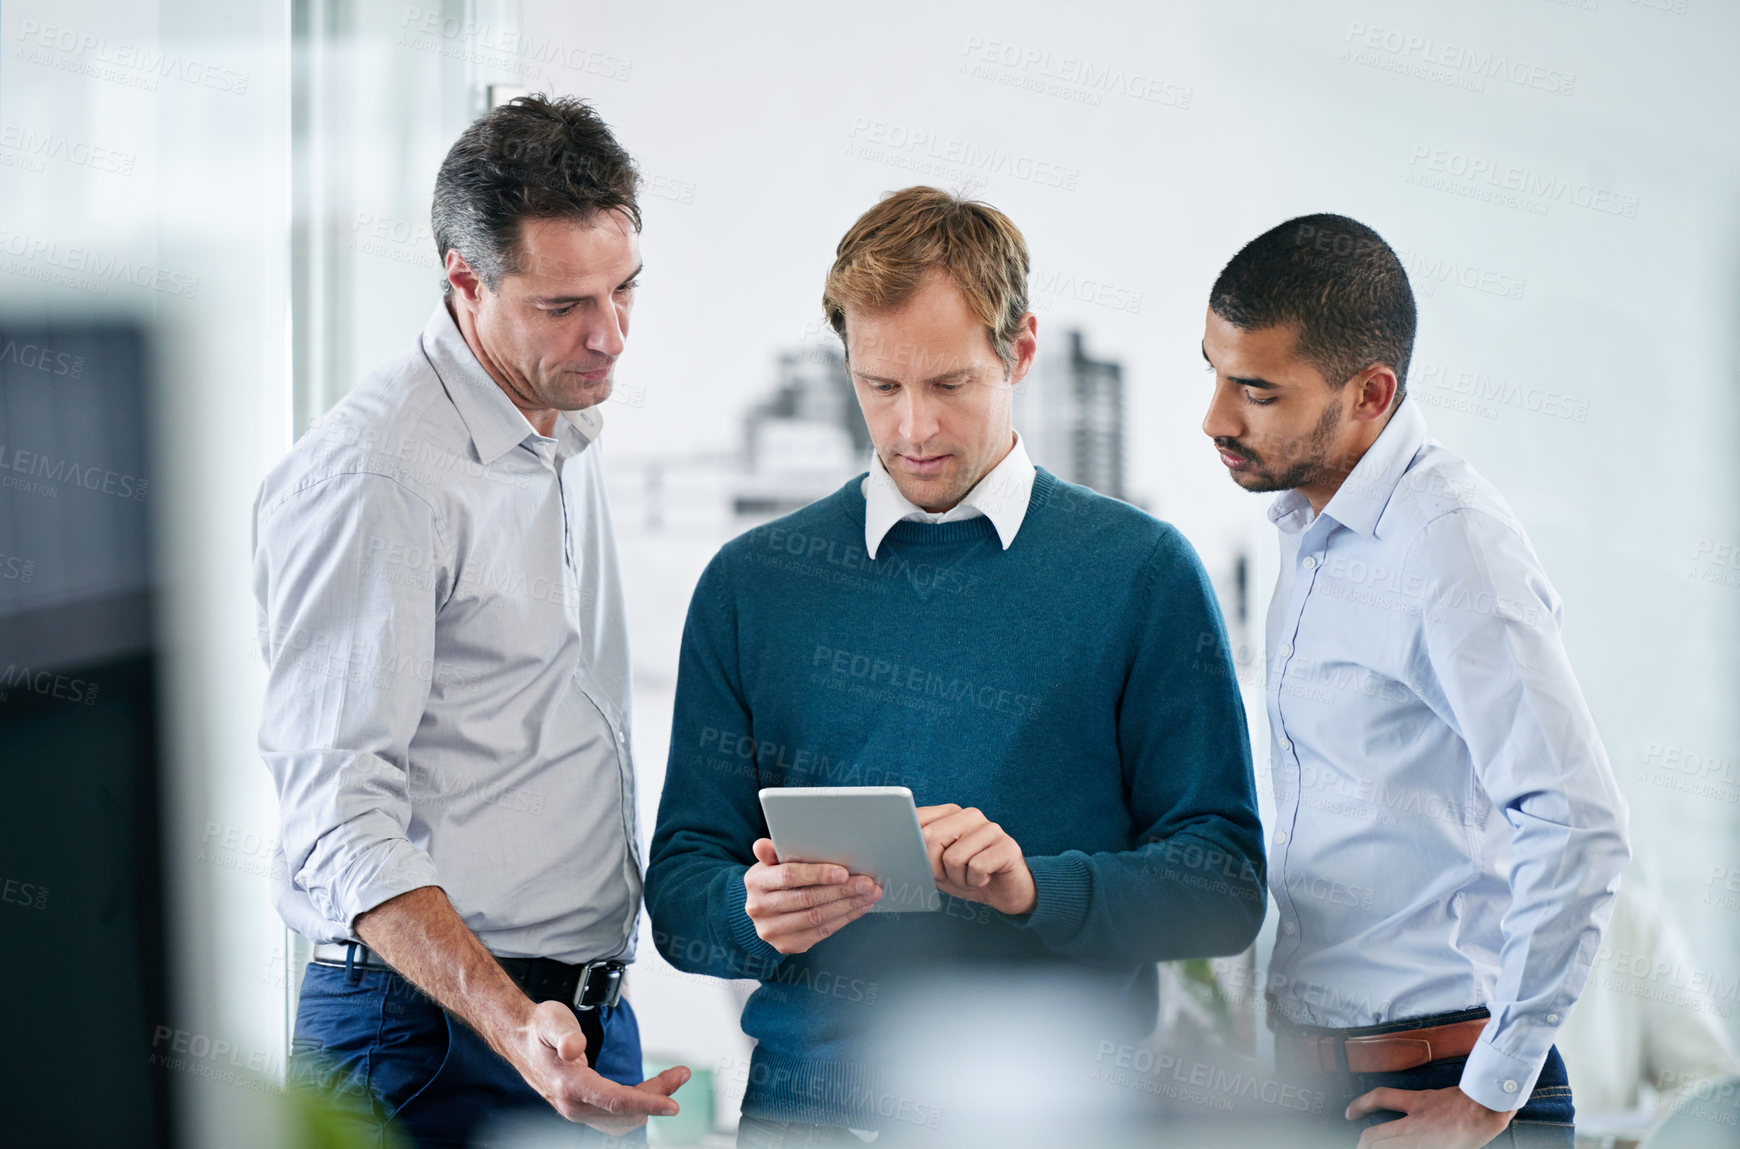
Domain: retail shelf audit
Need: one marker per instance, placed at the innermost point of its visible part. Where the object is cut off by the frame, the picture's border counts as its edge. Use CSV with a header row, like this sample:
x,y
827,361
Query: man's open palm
x,y
552,1058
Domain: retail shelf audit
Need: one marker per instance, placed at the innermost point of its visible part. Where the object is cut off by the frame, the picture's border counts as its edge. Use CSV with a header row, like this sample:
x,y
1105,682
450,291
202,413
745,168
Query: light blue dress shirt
x,y
1448,830
447,697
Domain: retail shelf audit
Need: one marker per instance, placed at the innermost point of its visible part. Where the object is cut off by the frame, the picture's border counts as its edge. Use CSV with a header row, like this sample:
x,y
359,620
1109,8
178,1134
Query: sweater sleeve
x,y
710,812
1192,884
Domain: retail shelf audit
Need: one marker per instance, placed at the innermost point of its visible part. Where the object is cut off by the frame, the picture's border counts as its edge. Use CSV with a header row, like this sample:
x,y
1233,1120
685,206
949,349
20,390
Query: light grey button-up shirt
x,y
447,696
1449,833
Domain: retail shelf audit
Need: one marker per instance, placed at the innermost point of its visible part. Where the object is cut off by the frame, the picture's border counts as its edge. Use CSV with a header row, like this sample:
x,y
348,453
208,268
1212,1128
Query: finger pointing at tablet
x,y
974,858
794,905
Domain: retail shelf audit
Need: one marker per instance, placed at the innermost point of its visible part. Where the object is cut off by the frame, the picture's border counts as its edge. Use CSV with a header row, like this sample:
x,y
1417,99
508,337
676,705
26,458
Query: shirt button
x,y
1310,562
1286,649
1290,928
1286,744
1553,1018
1280,837
1510,1087
621,737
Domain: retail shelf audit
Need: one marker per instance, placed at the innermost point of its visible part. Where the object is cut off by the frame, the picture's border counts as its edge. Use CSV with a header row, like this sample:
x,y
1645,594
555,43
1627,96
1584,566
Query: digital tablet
x,y
867,829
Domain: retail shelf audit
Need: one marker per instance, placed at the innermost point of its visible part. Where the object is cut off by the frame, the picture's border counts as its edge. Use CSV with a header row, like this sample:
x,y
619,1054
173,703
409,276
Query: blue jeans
x,y
381,1056
1545,1122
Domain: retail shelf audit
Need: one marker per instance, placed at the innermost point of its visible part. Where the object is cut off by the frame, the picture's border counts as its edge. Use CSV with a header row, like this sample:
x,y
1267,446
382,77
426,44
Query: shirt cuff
x,y
1062,890
1497,1080
377,874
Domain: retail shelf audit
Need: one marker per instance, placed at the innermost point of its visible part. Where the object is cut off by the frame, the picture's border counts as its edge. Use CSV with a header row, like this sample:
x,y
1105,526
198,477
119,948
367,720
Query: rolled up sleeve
x,y
348,574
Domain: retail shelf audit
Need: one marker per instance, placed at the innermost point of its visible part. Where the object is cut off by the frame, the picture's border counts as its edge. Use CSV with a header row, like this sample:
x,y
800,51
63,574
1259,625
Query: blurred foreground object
x,y
81,899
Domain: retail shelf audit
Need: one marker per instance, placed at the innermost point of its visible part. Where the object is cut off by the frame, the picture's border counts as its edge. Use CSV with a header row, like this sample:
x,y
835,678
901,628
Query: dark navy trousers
x,y
397,1069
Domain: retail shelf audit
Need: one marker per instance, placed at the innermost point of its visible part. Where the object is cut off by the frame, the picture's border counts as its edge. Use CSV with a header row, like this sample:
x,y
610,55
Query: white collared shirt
x,y
447,692
1448,829
1000,496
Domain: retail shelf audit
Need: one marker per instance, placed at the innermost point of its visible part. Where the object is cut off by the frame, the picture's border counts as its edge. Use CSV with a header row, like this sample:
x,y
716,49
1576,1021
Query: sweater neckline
x,y
942,534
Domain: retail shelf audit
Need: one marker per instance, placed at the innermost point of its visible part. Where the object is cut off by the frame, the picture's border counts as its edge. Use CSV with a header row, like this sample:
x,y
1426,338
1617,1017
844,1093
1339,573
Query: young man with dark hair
x,y
446,714
1448,831
1044,667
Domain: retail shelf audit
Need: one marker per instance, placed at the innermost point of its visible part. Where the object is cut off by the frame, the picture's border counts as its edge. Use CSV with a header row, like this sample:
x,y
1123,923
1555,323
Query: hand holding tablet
x,y
839,852
794,905
832,840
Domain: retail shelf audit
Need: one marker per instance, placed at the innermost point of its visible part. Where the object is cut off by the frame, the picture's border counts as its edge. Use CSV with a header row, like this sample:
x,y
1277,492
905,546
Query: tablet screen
x,y
867,829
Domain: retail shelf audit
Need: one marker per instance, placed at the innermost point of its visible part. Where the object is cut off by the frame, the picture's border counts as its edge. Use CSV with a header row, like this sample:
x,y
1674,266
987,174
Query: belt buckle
x,y
1316,1053
600,984
1301,1051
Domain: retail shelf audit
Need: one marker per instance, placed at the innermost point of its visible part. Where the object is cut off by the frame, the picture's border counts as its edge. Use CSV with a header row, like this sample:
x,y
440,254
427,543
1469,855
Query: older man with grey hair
x,y
447,706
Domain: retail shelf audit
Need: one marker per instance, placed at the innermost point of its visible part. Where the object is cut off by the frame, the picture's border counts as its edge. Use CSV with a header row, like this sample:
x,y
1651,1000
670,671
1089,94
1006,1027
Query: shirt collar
x,y
1359,502
495,424
1001,496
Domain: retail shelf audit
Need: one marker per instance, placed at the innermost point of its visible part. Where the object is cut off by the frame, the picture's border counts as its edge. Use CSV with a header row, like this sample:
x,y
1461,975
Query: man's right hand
x,y
794,905
420,935
549,1050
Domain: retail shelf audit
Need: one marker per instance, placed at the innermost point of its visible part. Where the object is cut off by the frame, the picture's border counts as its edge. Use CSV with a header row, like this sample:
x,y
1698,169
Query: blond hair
x,y
883,257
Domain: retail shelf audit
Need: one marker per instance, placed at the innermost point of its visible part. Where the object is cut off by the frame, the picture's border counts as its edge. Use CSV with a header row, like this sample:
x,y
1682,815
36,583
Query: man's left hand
x,y
1436,1119
974,858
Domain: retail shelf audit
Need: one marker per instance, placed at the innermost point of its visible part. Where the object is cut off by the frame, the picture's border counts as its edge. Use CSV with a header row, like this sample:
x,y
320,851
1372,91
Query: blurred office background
x,y
214,222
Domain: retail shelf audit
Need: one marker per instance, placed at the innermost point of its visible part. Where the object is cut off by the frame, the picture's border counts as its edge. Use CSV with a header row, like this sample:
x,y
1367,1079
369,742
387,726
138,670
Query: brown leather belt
x,y
1383,1052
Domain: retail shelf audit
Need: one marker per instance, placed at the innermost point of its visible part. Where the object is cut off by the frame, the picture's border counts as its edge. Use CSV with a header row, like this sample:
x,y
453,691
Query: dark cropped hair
x,y
1339,281
532,158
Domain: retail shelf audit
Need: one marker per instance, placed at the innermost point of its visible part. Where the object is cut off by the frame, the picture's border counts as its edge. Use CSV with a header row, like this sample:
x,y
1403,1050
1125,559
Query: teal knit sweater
x,y
1076,687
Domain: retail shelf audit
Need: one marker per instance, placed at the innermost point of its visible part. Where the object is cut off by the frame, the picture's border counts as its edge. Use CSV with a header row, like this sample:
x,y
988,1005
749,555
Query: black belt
x,y
585,987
